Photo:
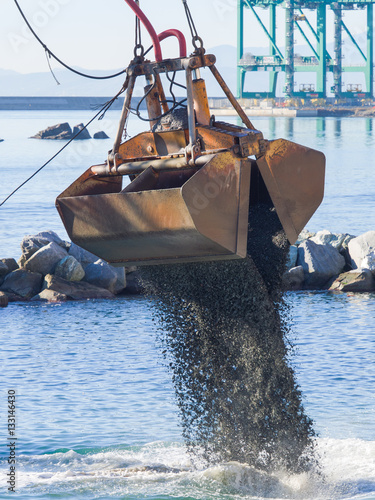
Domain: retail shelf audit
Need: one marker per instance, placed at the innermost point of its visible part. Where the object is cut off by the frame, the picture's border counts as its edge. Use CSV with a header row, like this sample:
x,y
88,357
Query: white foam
x,y
348,471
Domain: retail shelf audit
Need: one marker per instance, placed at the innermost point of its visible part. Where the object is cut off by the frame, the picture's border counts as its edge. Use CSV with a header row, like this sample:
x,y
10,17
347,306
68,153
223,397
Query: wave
x,y
164,470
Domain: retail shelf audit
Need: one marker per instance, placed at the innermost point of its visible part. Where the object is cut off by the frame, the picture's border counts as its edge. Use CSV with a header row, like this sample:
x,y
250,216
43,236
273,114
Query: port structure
x,y
320,61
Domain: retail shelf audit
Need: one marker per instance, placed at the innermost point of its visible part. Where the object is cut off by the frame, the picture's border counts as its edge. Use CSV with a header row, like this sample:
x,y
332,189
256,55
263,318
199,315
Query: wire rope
x,y
100,113
51,54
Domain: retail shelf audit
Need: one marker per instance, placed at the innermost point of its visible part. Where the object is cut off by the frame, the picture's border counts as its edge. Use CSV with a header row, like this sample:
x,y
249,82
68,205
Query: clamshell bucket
x,y
163,216
192,180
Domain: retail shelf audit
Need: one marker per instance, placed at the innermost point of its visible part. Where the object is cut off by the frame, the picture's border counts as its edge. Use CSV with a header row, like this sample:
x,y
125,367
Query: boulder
x,y
3,269
47,295
369,262
120,283
75,290
319,262
10,263
61,131
360,247
101,274
23,283
292,257
83,256
3,299
21,261
49,236
85,134
29,246
337,240
360,280
13,297
294,278
303,236
70,269
344,250
100,135
44,260
134,283
32,243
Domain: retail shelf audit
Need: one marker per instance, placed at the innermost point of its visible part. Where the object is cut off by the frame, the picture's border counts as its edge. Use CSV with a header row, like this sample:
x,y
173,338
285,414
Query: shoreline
x,y
355,112
53,270
77,103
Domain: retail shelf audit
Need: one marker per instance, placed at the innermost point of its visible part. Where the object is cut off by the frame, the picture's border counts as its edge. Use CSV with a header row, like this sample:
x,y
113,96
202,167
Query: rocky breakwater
x,y
63,131
53,270
332,261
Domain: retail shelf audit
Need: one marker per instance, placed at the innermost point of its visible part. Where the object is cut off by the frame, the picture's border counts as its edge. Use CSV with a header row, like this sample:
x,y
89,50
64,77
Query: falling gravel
x,y
224,331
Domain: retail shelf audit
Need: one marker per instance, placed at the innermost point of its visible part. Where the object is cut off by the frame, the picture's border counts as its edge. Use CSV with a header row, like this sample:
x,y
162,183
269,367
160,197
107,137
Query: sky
x,y
97,34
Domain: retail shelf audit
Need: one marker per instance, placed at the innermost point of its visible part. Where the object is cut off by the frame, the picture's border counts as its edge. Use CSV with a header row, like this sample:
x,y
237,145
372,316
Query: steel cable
x,y
51,54
101,112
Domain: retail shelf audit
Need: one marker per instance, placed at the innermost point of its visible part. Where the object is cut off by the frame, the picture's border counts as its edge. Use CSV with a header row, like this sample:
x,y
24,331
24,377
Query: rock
x,y
83,256
120,283
3,299
134,283
294,278
345,243
3,269
60,131
10,263
101,274
369,262
44,260
361,280
21,261
13,297
100,135
344,250
29,246
85,134
360,247
337,240
50,296
24,283
32,243
70,269
319,262
75,290
303,236
6,269
50,236
292,257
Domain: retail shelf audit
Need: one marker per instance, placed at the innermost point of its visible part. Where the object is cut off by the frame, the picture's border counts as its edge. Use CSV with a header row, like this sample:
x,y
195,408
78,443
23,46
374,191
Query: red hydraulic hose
x,y
149,27
178,35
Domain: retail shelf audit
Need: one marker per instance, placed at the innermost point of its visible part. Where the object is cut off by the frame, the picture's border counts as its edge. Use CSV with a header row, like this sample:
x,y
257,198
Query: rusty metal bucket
x,y
163,216
294,177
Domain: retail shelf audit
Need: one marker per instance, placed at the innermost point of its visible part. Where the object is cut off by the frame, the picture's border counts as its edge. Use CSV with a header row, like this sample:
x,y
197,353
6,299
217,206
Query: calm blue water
x,y
95,411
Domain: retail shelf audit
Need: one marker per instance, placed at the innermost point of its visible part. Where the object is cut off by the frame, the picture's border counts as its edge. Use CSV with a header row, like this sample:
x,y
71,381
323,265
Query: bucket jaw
x,y
294,177
163,216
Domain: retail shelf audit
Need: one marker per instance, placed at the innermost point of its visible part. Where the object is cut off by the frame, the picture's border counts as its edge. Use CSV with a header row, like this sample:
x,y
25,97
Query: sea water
x,y
95,408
